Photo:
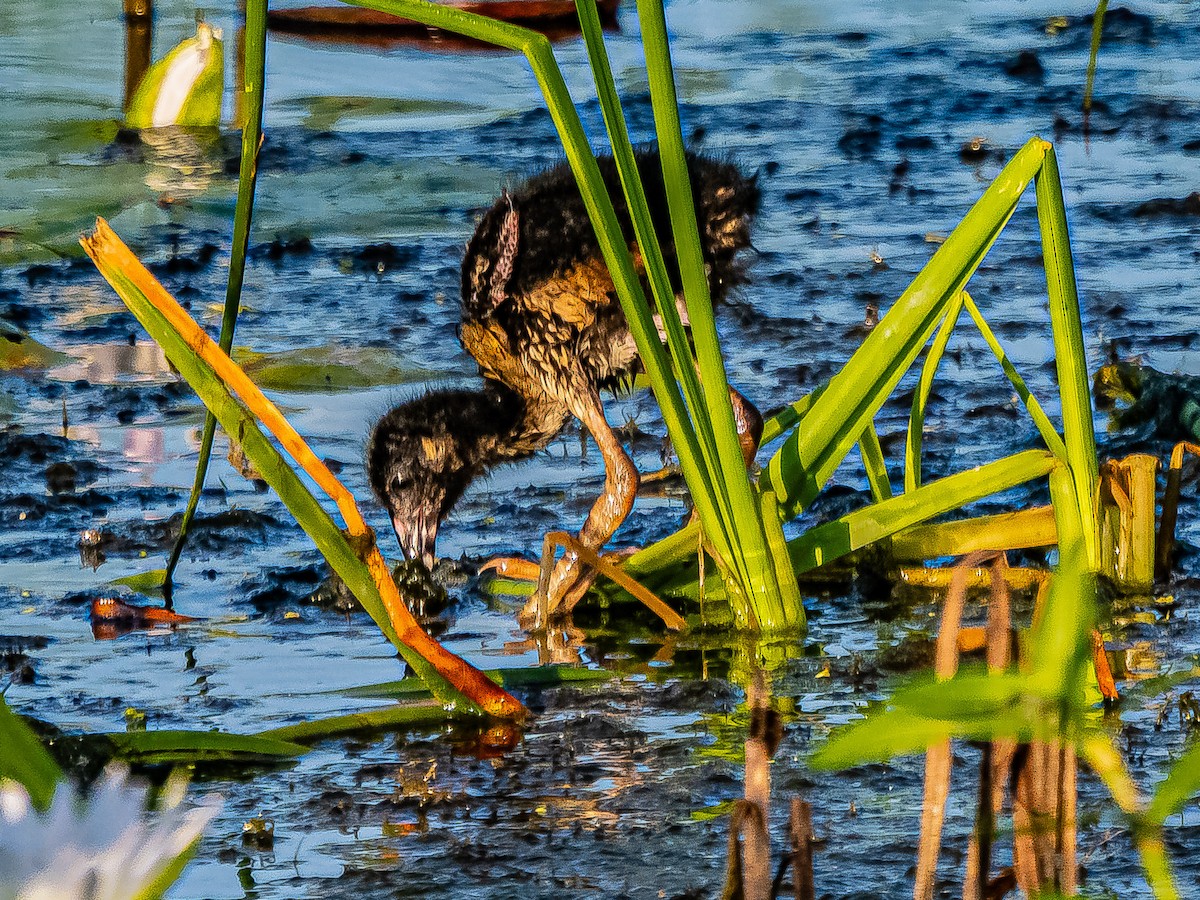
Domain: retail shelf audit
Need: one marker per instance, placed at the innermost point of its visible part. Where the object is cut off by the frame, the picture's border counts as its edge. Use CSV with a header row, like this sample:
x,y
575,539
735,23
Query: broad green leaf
x,y
24,760
148,583
968,696
973,705
884,735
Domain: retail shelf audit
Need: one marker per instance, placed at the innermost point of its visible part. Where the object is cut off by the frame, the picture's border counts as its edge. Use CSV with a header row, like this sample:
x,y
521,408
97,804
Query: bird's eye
x,y
398,484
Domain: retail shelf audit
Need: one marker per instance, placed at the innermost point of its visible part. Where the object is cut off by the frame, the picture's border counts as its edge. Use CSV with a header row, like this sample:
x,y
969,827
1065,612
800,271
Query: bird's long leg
x,y
620,489
570,580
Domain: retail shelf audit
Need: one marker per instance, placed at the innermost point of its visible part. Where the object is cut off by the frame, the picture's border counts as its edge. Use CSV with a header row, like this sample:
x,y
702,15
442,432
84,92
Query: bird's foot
x,y
567,582
515,567
520,569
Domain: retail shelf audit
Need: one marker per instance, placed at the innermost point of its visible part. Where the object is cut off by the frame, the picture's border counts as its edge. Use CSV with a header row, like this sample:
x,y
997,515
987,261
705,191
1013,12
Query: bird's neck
x,y
504,426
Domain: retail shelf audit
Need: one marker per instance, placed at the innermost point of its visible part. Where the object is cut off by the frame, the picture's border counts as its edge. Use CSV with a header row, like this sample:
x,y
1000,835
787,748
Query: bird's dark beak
x,y
417,537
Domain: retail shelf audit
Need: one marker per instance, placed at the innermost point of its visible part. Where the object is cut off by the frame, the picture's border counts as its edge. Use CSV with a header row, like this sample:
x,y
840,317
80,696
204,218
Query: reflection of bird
x,y
541,317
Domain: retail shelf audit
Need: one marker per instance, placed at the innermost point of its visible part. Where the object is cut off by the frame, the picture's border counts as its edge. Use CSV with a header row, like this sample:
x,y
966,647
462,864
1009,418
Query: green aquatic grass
x,y
741,529
1050,698
1094,53
253,88
840,414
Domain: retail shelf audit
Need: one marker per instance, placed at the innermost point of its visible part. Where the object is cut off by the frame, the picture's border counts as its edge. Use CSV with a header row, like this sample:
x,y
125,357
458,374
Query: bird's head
x,y
418,471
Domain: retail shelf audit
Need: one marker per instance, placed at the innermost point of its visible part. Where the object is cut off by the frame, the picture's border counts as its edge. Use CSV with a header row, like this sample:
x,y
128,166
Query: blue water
x,y
854,119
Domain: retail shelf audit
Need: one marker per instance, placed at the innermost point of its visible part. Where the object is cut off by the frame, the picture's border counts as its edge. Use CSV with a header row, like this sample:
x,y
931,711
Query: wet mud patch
x,y
225,533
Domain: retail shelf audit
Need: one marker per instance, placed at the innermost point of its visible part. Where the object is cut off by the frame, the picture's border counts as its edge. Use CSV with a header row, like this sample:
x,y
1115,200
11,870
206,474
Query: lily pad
x,y
147,583
325,112
330,368
19,351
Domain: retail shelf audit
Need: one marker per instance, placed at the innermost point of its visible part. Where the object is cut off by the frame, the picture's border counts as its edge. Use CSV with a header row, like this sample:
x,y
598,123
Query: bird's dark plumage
x,y
541,317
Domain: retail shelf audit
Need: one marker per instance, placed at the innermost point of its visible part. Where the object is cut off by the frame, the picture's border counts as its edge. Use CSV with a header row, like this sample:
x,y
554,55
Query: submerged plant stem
x,y
253,87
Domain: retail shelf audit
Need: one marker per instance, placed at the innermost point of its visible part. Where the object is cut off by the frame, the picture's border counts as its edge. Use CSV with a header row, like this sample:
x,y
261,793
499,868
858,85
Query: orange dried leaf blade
x,y
214,376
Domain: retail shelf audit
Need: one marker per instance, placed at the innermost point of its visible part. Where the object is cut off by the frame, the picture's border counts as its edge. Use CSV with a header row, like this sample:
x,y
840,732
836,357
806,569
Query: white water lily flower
x,y
104,847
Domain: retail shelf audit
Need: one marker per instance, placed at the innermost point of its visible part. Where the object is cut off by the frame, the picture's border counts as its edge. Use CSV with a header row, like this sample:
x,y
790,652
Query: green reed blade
x,y
791,415
703,483
787,605
417,715
916,419
277,473
874,464
809,456
750,540
1094,53
253,86
1102,756
1040,420
184,747
857,529
1003,531
1074,385
1060,642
